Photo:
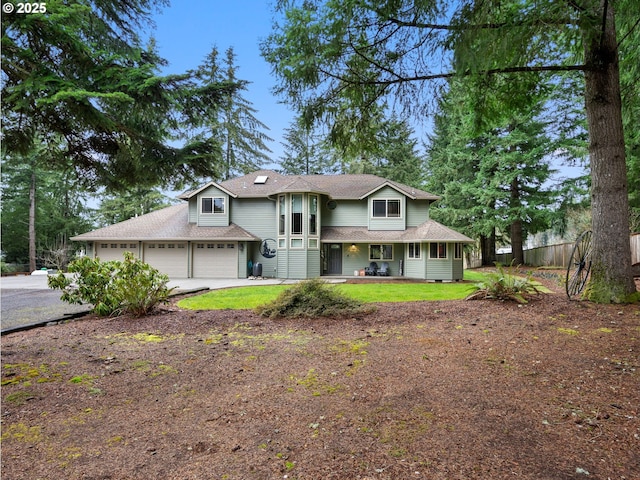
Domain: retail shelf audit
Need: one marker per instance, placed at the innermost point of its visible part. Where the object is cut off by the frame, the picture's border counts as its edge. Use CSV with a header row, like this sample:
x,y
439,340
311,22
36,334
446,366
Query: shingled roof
x,y
337,187
167,224
430,230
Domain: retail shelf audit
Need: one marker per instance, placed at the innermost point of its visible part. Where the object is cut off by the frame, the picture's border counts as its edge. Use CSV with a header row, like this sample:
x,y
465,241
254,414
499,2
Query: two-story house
x,y
293,226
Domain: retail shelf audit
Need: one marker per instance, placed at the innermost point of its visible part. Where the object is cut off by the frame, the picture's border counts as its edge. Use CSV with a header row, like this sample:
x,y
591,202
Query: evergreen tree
x,y
234,126
399,159
41,208
306,152
78,79
491,171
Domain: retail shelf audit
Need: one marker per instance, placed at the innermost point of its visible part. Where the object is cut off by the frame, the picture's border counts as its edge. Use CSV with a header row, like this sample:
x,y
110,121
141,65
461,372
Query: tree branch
x,y
481,26
635,25
436,76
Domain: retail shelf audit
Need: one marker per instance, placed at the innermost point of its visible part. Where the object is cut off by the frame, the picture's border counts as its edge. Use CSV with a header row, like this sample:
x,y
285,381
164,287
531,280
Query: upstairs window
x,y
386,208
282,212
212,205
313,215
296,214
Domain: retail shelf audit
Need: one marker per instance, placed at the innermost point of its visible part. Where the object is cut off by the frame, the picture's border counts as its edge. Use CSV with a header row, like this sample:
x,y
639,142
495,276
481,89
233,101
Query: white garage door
x,y
215,260
115,250
168,257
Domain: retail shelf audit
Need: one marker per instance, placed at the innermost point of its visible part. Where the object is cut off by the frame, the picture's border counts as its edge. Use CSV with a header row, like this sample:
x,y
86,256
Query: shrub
x,y
504,285
113,287
312,298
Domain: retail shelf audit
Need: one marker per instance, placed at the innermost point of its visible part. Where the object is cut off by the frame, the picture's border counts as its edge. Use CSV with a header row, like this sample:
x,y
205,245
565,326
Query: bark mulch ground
x,y
432,390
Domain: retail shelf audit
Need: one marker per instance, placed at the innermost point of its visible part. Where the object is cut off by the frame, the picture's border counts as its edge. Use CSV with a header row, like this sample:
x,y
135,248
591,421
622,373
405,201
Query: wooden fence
x,y
558,255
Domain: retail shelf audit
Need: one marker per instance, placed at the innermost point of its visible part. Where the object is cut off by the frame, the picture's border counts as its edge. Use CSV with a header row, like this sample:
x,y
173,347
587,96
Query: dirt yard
x,y
424,390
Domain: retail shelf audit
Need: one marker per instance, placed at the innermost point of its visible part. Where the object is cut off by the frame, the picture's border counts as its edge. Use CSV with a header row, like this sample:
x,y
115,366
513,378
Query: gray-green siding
x,y
417,212
256,216
398,223
348,213
212,219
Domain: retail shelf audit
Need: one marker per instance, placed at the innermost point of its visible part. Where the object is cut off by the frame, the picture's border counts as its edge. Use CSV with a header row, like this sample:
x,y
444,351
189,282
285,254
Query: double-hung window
x,y
386,208
313,215
282,214
414,250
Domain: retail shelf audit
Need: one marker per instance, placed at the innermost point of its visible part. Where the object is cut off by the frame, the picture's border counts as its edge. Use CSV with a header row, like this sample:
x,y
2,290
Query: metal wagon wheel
x,y
579,265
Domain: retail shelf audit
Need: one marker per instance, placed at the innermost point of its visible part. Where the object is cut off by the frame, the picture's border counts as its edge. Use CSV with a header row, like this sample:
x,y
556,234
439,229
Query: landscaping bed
x,y
434,390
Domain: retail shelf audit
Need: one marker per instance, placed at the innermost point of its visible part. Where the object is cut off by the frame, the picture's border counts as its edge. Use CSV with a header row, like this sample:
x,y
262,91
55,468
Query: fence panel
x,y
558,255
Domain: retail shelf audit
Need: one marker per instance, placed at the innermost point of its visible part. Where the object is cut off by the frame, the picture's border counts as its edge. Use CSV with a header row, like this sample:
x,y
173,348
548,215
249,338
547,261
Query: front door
x,y
333,255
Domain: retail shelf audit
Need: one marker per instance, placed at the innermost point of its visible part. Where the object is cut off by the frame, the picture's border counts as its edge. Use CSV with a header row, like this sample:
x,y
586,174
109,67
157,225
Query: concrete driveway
x,y
26,300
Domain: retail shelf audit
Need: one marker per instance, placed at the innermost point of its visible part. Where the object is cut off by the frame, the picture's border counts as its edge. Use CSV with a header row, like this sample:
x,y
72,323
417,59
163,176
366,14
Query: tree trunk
x,y
32,221
488,248
611,278
516,225
517,249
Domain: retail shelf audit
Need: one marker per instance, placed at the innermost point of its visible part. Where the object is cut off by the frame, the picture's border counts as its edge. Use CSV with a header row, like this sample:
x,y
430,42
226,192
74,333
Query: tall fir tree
x,y
131,203
502,161
306,151
41,208
78,78
234,126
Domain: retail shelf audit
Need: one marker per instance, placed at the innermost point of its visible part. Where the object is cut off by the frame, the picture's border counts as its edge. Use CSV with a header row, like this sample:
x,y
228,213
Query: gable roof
x,y
167,224
188,194
337,187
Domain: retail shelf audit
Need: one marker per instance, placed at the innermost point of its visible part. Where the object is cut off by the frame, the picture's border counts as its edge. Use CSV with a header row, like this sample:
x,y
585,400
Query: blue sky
x,y
187,31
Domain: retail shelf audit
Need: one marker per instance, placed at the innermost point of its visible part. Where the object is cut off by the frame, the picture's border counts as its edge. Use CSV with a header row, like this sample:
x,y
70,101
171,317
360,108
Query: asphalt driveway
x,y
26,300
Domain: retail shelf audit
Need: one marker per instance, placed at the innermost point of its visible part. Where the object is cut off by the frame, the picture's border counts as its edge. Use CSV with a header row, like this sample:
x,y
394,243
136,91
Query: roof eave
x,y
386,184
193,193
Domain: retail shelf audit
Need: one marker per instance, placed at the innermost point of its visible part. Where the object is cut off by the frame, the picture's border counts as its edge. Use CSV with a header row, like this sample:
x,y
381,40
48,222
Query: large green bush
x,y
113,287
312,298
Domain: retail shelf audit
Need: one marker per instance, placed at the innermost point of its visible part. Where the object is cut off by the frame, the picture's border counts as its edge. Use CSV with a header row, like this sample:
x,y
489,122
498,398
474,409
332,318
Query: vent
x,y
261,179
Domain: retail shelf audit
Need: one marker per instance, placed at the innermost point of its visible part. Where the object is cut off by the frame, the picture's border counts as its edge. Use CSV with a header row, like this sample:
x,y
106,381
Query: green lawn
x,y
250,297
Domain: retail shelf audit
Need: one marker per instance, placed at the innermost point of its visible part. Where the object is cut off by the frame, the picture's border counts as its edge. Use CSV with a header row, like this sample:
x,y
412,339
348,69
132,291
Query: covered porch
x,y
429,251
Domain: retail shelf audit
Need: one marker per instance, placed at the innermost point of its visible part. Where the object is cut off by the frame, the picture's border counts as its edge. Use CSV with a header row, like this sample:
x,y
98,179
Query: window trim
x,y
416,246
438,257
386,208
458,251
382,258
300,213
215,209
